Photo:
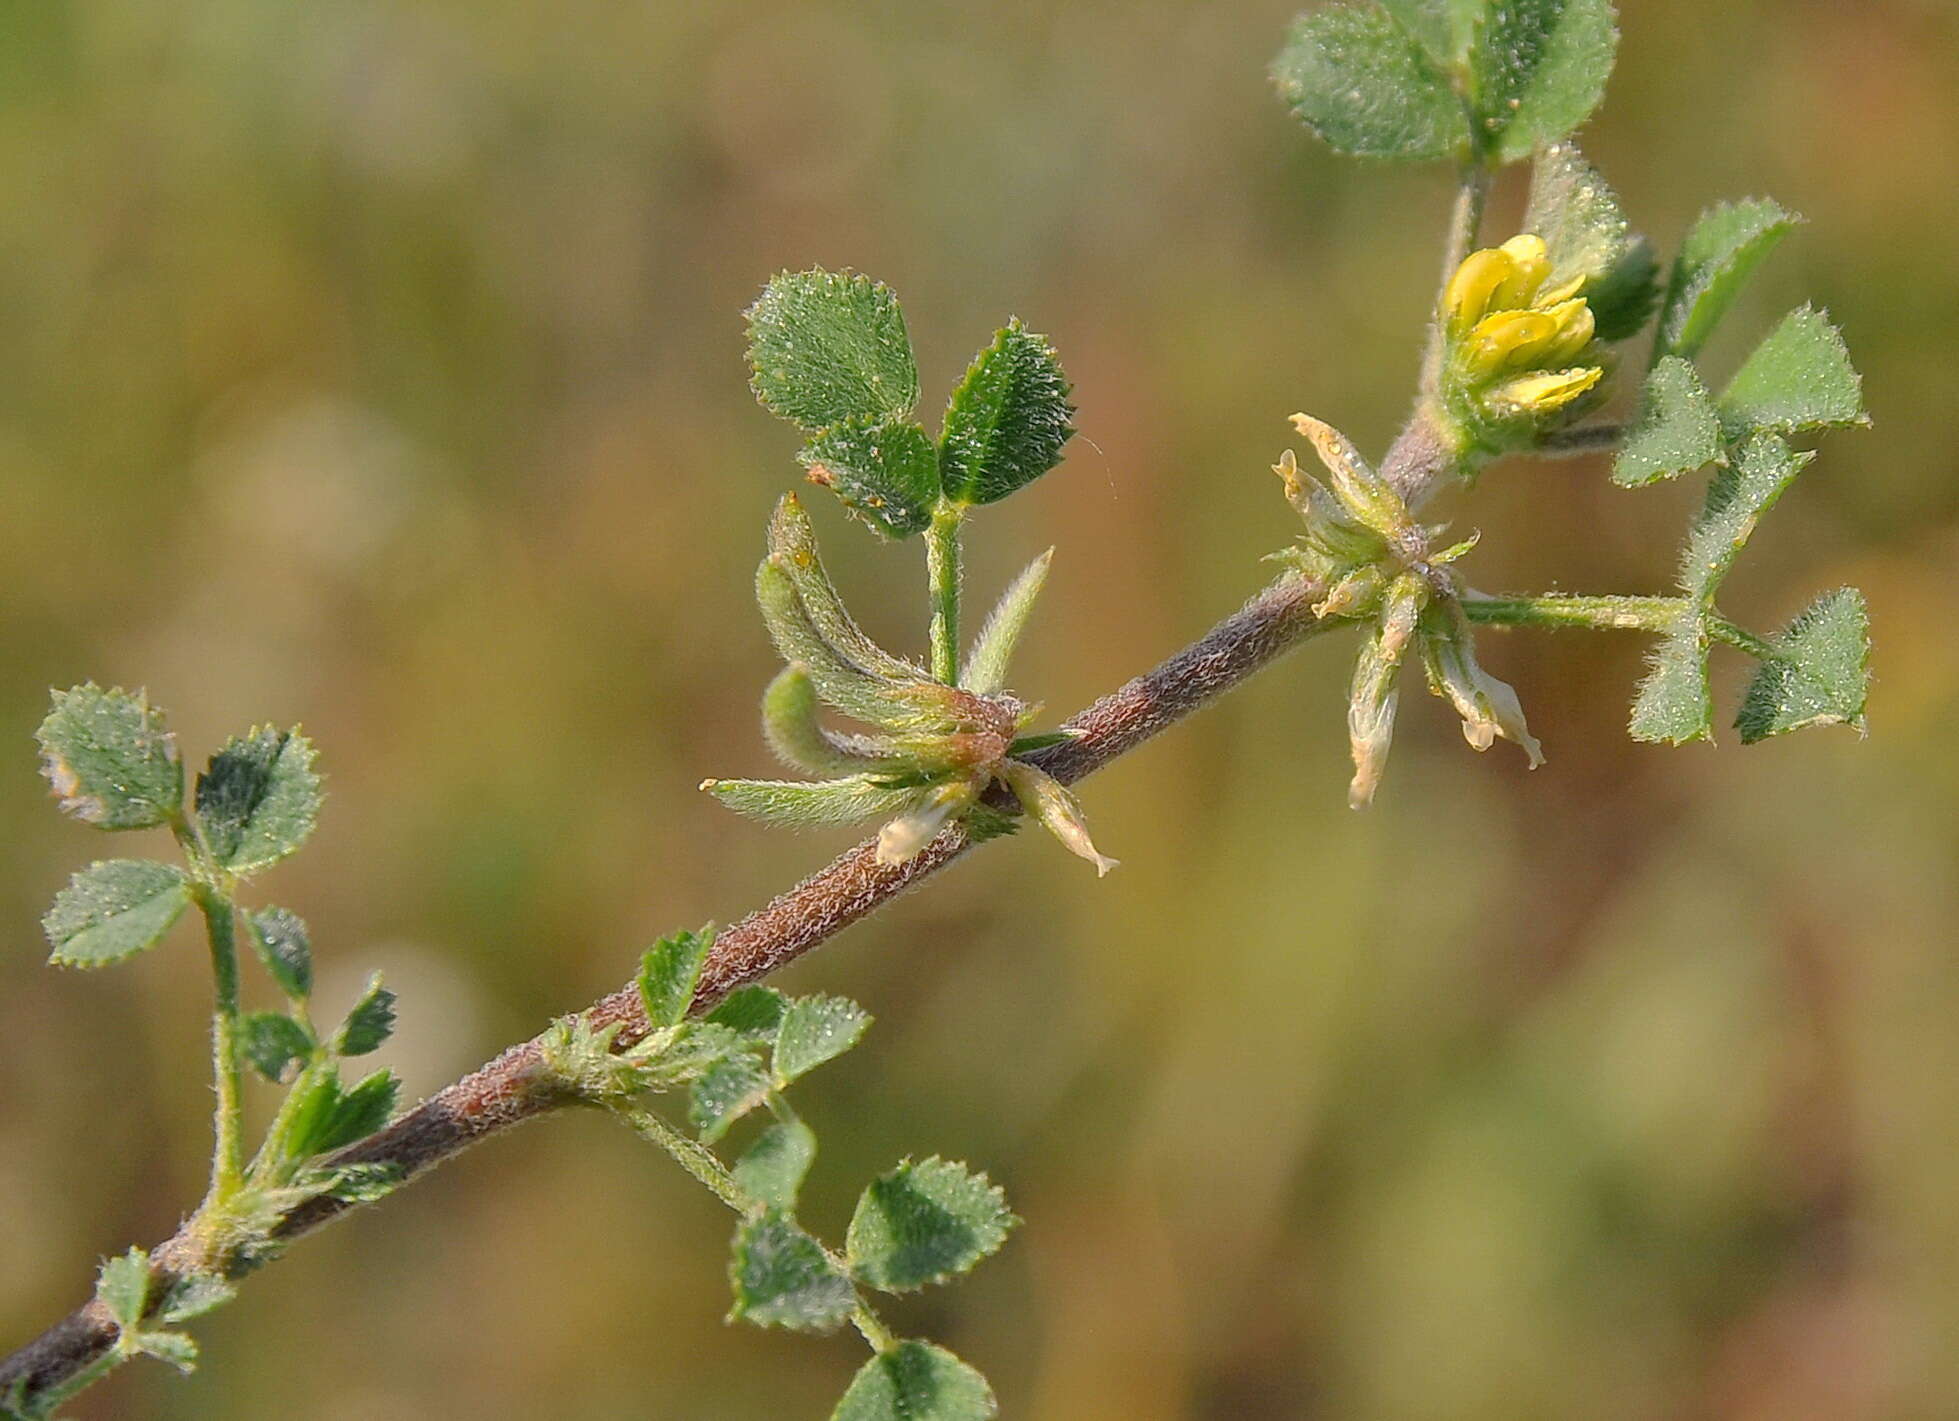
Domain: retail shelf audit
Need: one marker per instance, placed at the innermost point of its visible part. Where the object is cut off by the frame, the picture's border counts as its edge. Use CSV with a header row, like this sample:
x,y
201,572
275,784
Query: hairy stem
x,y
1640,614
227,1153
942,571
1465,221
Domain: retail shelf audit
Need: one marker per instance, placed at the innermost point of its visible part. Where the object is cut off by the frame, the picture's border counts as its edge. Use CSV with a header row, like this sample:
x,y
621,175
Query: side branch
x,y
515,1087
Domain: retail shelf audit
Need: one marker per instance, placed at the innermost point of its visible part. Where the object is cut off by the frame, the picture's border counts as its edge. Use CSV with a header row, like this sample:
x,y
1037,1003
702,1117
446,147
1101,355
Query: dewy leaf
x,y
1540,70
669,973
815,1030
114,910
992,653
825,347
371,1022
917,1381
109,758
1723,249
884,470
1677,430
272,1041
753,1013
782,1278
924,1223
1584,227
804,806
329,1116
123,1286
1008,419
774,1167
1673,706
279,938
726,1091
1445,28
1736,500
1367,87
1822,676
1799,378
179,1350
259,799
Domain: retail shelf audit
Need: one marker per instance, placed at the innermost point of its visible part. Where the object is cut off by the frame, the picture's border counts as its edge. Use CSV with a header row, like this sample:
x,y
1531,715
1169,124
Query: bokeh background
x,y
377,367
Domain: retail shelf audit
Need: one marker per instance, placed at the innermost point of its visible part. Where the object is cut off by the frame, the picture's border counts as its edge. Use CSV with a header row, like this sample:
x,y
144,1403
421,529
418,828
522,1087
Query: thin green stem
x,y
1465,221
942,572
695,1158
1640,614
1723,630
871,1327
227,1154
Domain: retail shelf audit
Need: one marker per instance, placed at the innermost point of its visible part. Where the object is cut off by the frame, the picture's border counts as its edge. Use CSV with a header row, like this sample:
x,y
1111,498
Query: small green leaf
x,y
884,470
774,1167
1799,378
113,910
280,940
1822,676
670,972
1581,221
726,1091
328,1116
917,1381
815,1030
782,1278
1737,498
792,548
803,806
273,1041
856,690
828,346
172,1347
924,1223
1540,70
193,1296
688,1053
752,1013
993,649
363,1183
1673,706
794,731
1008,419
109,758
1367,87
1444,28
259,799
1723,249
371,1022
1677,430
123,1286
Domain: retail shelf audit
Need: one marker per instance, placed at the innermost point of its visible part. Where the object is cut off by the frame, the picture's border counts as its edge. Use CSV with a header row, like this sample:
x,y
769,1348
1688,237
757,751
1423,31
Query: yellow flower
x,y
1518,349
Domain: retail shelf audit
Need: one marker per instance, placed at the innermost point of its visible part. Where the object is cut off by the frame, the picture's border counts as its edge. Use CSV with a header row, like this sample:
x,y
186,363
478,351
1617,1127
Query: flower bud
x,y
1509,340
1530,265
1545,394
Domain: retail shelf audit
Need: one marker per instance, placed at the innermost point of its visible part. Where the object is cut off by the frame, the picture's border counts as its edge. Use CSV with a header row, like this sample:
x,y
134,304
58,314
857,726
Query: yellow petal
x,y
1474,286
1546,393
1531,261
1509,340
1576,327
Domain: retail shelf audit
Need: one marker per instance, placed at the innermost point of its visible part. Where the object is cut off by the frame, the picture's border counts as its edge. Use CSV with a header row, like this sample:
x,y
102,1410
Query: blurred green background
x,y
378,367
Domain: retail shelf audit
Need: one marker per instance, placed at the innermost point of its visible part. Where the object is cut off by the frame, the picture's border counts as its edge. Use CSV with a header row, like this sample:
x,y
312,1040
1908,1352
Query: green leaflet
x,y
272,1041
668,974
885,470
280,940
814,1030
850,688
114,910
782,1278
329,1115
824,347
1739,495
1008,420
753,1013
1799,378
803,806
1674,705
1677,430
1539,71
792,547
1582,223
371,1022
1821,676
917,1381
123,1286
1368,89
259,799
774,1167
924,1223
1723,249
110,759
792,726
1444,28
724,1092
985,672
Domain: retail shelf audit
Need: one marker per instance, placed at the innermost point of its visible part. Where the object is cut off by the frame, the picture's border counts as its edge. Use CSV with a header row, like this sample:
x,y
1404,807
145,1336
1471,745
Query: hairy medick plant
x,y
1526,355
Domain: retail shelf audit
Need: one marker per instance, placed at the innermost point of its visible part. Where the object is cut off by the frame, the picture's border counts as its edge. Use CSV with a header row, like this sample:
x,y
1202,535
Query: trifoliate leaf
x,y
815,1030
726,1091
752,1013
176,1348
109,758
917,1381
193,1296
1579,217
259,799
329,1115
1008,419
1723,249
803,806
986,666
279,938
1799,378
782,1278
773,1168
114,910
884,470
1822,675
1673,706
825,347
1539,70
371,1022
1677,430
924,1223
1368,88
1737,498
123,1286
669,973
273,1041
